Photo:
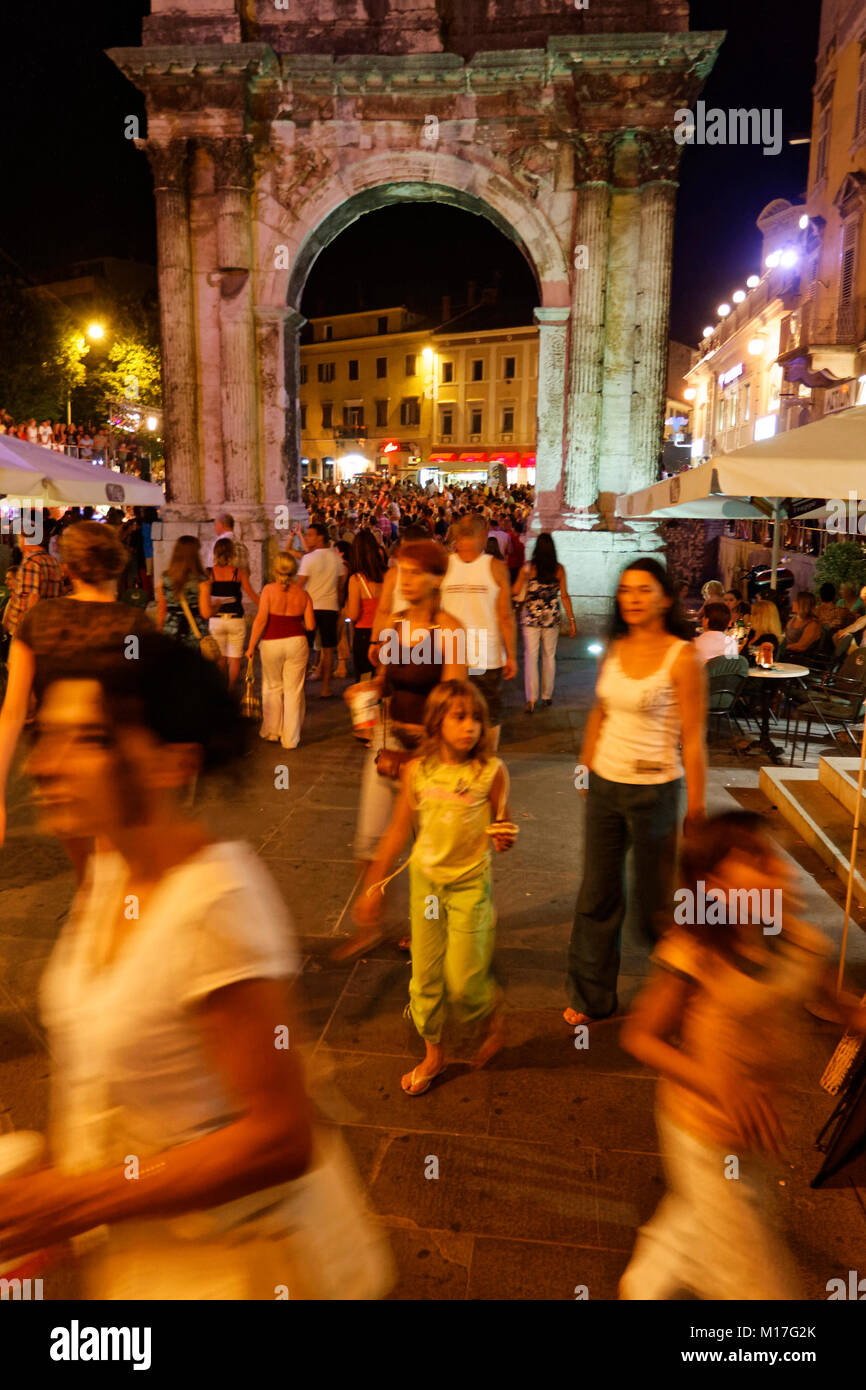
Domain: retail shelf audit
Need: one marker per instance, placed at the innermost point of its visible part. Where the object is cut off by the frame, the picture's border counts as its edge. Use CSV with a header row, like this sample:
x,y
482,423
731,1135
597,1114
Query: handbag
x,y
251,702
391,761
208,646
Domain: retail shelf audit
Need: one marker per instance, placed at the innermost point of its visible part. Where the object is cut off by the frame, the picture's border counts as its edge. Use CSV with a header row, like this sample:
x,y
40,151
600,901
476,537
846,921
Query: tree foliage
x,y
843,562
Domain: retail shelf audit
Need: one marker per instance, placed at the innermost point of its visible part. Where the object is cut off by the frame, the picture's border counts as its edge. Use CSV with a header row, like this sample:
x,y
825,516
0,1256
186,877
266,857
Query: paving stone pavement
x,y
547,1159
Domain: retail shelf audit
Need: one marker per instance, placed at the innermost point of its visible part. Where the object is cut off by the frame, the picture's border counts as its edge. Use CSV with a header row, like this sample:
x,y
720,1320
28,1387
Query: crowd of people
x,y
162,1020
92,442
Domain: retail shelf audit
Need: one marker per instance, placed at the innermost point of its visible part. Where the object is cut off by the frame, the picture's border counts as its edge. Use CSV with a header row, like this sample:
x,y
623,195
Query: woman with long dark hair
x,y
366,575
539,587
185,577
643,737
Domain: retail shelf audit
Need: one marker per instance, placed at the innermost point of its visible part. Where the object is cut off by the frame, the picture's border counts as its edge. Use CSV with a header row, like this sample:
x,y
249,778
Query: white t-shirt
x,y
46,434
470,593
709,645
130,1075
324,570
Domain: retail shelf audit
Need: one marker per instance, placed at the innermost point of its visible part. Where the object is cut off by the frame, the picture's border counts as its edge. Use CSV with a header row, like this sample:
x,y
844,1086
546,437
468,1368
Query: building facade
x,y
271,130
379,394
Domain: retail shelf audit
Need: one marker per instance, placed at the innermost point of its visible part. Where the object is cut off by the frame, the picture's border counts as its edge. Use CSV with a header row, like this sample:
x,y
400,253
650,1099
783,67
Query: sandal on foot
x,y
419,1084
576,1018
493,1042
358,946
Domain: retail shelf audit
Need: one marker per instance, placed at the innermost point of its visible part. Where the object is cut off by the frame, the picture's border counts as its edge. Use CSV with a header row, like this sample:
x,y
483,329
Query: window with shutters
x,y
303,417
410,411
381,367
447,372
381,414
353,368
823,142
303,377
845,326
860,117
326,371
327,415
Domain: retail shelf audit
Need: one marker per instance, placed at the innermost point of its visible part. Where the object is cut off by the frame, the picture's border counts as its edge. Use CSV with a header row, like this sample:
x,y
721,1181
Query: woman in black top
x,y
228,626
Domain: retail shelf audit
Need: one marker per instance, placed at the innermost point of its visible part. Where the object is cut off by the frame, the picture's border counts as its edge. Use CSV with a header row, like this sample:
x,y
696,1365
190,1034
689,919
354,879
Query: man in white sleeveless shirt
x,y
476,589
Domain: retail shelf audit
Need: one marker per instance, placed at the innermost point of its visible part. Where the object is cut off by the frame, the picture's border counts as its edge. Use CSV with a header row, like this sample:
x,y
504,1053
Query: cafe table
x,y
770,677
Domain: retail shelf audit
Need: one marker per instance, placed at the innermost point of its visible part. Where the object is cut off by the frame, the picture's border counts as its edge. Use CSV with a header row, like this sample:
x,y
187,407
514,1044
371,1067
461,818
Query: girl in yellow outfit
x,y
455,790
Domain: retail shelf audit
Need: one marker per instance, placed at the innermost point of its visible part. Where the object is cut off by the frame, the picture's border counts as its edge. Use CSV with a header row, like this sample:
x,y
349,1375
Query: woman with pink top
x,y
284,618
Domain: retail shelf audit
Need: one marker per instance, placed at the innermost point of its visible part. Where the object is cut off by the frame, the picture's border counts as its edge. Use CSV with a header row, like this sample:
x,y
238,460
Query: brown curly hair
x,y
92,552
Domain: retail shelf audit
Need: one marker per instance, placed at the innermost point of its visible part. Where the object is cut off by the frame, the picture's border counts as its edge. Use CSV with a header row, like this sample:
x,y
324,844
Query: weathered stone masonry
x,y
264,146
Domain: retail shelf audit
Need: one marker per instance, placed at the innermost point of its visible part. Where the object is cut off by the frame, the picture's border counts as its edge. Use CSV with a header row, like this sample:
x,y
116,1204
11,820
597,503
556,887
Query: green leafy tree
x,y
843,562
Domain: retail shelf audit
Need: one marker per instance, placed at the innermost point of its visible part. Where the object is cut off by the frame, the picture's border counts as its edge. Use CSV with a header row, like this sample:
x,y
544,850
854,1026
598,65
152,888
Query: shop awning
x,y
439,457
472,457
527,461
510,458
815,462
36,473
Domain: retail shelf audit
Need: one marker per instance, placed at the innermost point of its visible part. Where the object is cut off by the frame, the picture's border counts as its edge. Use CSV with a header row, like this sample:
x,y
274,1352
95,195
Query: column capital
x,y
233,161
556,317
169,163
593,157
658,156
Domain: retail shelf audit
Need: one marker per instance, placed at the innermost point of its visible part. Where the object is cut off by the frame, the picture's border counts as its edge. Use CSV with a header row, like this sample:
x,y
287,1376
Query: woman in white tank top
x,y
645,733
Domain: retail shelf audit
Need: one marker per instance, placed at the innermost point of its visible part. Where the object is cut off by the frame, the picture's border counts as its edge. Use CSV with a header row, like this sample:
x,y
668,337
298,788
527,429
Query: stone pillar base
x,y
263,531
593,561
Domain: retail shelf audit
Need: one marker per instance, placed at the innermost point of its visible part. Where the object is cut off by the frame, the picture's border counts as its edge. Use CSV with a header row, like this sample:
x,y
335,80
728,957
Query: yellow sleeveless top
x,y
453,809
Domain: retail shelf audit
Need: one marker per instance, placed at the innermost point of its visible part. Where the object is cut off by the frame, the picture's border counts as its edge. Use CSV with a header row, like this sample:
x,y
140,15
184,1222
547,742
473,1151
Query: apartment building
x,y
383,391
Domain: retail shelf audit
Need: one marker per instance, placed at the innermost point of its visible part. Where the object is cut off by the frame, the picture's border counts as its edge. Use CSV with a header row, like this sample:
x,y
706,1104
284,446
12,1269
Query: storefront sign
x,y
727,377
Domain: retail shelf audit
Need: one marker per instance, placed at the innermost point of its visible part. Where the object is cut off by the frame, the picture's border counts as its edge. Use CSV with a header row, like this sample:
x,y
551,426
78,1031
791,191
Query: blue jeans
x,y
619,816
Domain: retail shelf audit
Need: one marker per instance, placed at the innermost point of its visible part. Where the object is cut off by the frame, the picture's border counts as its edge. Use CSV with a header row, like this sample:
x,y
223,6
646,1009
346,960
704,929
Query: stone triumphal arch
x,y
272,126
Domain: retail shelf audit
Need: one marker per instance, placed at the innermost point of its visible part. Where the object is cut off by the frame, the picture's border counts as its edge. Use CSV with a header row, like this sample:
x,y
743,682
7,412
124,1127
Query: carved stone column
x,y
277,336
169,164
233,177
552,342
590,254
658,157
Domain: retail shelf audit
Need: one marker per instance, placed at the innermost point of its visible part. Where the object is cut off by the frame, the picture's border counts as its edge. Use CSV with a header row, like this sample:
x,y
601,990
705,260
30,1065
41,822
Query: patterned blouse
x,y
176,624
541,605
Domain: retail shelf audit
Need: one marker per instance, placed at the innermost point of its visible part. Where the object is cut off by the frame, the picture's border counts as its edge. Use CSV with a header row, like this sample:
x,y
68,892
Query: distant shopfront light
x,y
765,428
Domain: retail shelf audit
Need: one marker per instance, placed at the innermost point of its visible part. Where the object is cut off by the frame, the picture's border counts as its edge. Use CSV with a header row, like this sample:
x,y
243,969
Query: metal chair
x,y
726,676
838,702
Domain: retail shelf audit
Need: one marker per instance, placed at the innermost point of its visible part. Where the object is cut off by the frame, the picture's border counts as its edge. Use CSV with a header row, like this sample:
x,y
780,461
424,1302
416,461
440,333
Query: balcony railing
x,y
350,431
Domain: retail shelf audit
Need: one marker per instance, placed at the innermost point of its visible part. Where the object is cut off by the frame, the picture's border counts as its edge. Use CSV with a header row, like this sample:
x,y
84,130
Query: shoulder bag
x,y
208,646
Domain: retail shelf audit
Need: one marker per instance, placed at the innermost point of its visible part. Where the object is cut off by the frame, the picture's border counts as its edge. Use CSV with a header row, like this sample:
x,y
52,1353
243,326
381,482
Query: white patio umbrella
x,y
792,474
33,473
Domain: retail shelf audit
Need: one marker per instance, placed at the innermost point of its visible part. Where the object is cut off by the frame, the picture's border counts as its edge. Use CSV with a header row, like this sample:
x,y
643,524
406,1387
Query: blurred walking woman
x,y
179,1124
366,576
284,618
228,626
540,587
184,578
644,733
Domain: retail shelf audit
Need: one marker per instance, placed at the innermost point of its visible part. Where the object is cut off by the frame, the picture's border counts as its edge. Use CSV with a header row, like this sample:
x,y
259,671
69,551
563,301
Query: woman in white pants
x,y
284,618
540,586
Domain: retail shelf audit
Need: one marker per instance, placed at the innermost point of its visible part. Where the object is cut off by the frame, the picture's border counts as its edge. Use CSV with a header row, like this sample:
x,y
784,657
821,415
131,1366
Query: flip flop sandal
x,y
422,1084
356,946
578,1018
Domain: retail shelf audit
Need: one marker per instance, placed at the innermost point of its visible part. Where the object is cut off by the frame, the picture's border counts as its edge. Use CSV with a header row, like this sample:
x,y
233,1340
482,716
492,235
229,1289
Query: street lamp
x,y
95,331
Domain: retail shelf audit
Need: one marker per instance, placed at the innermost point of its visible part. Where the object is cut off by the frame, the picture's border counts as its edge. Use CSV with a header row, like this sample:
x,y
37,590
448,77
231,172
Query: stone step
x,y
819,818
839,777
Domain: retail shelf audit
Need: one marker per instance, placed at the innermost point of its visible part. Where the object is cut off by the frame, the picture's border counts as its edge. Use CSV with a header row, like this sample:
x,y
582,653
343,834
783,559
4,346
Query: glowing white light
x,y
804,222
595,649
773,260
765,428
738,296
151,422
723,310
756,347
753,282
689,393
789,258
708,332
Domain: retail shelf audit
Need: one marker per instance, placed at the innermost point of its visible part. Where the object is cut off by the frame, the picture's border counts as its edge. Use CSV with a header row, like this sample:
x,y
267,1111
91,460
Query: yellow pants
x,y
453,934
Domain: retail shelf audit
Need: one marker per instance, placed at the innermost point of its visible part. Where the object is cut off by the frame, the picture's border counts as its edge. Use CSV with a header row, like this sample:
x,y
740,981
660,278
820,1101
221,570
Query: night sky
x,y
75,188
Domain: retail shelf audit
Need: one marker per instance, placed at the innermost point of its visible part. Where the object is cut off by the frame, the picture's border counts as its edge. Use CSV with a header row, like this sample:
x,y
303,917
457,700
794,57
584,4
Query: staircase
x,y
819,804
